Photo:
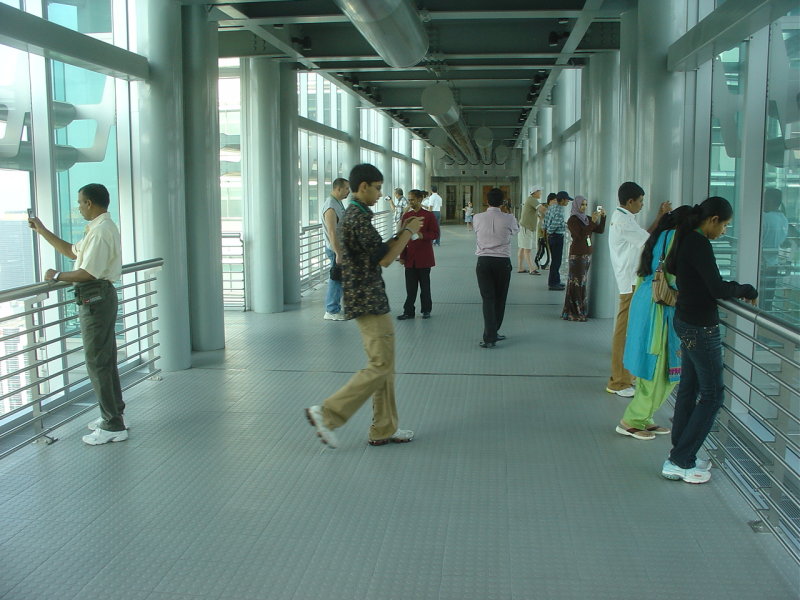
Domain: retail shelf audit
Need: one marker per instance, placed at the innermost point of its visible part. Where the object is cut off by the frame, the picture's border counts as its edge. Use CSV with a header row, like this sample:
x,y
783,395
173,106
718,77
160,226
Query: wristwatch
x,y
415,236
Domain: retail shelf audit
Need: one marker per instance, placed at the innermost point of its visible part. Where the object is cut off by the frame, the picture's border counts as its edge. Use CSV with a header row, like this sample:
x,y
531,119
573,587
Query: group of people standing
x,y
663,337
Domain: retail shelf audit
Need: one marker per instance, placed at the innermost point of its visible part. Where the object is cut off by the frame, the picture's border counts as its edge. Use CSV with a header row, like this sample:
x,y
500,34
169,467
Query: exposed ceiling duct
x,y
392,27
501,154
438,102
483,140
441,140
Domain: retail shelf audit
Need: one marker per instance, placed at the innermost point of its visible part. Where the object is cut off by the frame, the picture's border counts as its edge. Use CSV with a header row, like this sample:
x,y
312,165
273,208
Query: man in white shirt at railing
x,y
332,213
98,262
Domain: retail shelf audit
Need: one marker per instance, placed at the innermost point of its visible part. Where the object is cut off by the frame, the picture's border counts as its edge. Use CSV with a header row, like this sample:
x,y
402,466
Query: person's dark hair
x,y
773,199
339,183
434,188
495,197
551,196
97,193
629,191
671,220
398,191
715,206
415,194
364,173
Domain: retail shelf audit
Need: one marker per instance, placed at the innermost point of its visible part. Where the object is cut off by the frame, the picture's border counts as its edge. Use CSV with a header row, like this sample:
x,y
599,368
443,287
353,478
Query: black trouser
x,y
97,313
556,241
494,275
418,278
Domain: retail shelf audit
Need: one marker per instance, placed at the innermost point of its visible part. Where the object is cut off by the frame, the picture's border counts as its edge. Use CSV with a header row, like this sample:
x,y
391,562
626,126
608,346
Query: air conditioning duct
x,y
439,139
501,154
438,102
392,27
483,140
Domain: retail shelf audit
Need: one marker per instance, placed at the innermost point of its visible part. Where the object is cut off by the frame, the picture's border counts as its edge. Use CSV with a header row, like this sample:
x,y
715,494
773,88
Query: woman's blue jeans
x,y
701,375
333,296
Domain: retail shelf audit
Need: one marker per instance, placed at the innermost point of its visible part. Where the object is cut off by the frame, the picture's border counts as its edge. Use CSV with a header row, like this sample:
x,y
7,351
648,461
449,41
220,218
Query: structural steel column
x,y
660,98
288,177
601,149
353,124
161,210
203,204
261,153
545,136
627,97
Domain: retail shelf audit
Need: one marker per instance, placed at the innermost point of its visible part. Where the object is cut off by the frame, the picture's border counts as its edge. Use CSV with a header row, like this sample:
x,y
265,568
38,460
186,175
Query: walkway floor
x,y
516,486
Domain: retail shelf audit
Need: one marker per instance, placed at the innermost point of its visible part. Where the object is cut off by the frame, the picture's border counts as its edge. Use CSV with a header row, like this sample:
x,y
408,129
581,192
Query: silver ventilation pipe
x,y
438,102
501,154
392,27
439,139
483,140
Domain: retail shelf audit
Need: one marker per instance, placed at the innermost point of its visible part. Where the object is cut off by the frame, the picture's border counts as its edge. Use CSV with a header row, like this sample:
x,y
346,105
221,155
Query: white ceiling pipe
x,y
438,102
441,140
501,153
484,140
392,27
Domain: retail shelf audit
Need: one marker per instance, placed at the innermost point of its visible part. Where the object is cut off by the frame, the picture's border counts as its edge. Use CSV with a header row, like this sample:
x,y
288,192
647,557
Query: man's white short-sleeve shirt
x,y
625,240
99,253
435,200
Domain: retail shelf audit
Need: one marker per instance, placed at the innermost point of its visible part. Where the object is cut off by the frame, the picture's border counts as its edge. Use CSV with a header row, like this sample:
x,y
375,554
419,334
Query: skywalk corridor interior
x,y
515,487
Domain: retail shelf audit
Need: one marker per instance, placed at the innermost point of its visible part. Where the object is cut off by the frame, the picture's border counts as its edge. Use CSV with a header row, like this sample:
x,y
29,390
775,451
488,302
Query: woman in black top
x,y
697,325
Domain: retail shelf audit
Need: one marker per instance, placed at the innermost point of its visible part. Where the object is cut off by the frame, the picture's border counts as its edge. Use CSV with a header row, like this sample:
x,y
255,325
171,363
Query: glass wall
x,y
728,78
230,151
17,266
779,280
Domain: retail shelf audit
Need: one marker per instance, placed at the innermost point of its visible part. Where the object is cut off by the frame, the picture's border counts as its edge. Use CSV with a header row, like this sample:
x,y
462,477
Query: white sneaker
x,y
704,464
334,316
628,392
401,436
672,471
102,436
314,416
94,425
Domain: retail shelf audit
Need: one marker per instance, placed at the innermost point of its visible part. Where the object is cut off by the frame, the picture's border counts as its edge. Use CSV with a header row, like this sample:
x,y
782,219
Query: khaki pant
x,y
620,376
376,380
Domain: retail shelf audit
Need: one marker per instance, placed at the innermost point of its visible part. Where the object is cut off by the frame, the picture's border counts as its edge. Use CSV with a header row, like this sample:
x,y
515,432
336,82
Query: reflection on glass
x,y
84,109
727,95
779,281
92,18
17,266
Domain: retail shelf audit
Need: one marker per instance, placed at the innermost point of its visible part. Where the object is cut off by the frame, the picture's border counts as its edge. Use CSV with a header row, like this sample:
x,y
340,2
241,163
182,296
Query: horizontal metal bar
x,y
790,443
779,327
763,371
46,287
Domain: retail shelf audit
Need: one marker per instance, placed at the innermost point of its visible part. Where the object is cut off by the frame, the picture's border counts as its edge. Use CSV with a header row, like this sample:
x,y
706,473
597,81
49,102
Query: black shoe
x,y
557,288
403,317
500,337
426,315
487,344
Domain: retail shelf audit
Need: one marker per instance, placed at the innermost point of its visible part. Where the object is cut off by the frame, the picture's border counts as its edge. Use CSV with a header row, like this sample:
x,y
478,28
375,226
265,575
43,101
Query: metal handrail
x,y
753,447
45,379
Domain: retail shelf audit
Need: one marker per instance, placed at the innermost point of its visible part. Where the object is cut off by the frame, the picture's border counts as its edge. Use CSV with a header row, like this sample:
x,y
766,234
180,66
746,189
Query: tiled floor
x,y
516,486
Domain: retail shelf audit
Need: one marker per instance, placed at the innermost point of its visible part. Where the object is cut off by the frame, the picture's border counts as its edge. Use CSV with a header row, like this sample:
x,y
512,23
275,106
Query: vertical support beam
x,y
628,117
290,213
660,100
545,133
203,203
261,113
353,128
600,130
161,213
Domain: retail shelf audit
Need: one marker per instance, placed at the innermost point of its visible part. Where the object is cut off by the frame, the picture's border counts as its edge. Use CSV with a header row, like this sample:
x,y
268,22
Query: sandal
x,y
521,271
535,272
639,434
658,430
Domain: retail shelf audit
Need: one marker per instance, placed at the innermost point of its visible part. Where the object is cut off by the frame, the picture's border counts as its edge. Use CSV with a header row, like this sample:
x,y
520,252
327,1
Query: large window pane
x,y
17,266
84,109
230,154
92,17
727,97
779,281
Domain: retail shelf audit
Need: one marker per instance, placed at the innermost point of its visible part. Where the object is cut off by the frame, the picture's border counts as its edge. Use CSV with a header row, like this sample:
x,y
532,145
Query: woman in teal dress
x,y
652,346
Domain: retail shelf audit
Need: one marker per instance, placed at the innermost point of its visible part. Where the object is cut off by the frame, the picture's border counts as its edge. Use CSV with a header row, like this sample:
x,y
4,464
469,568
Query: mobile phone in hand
x,y
31,213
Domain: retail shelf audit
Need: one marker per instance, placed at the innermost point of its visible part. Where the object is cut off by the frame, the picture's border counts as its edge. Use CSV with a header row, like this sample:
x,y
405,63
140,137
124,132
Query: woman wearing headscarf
x,y
527,232
652,346
581,228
